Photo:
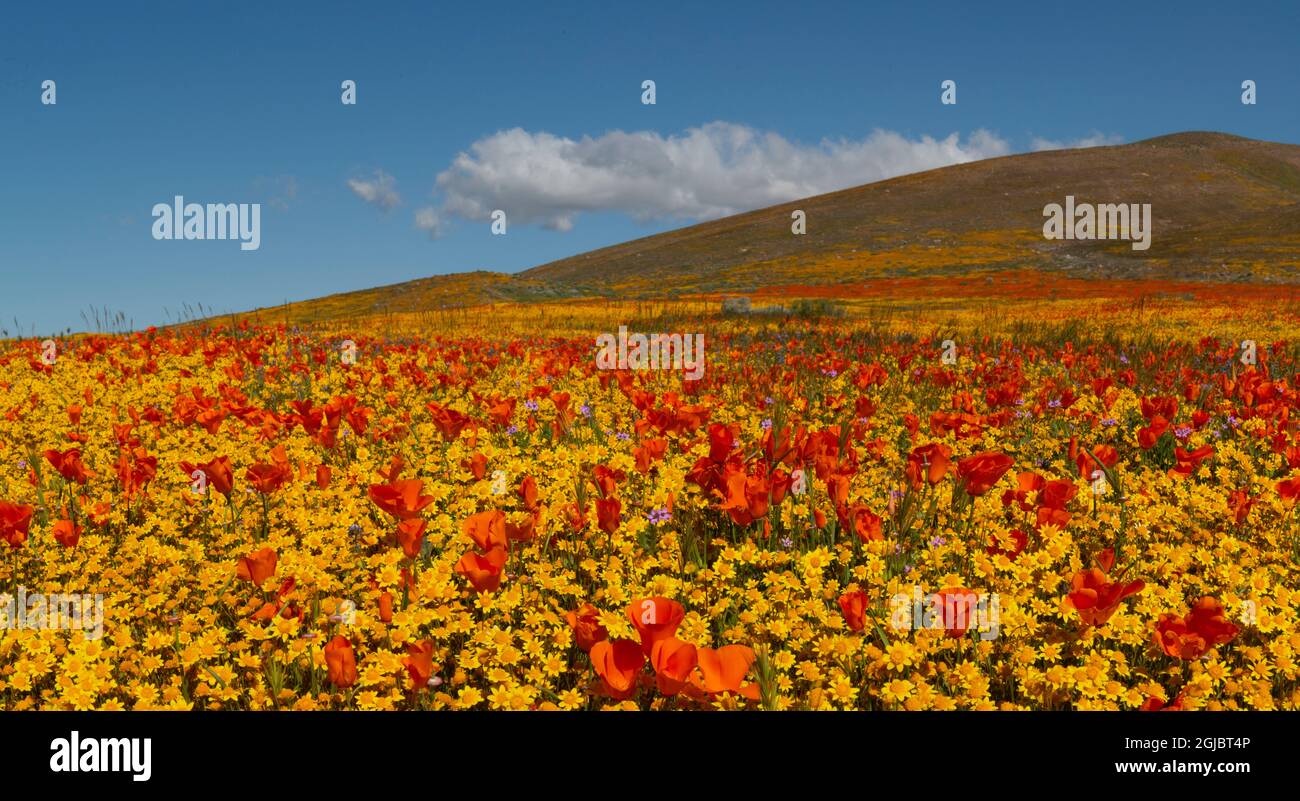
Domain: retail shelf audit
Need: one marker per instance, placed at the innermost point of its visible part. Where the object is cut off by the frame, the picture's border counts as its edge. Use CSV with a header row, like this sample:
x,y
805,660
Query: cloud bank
x,y
704,173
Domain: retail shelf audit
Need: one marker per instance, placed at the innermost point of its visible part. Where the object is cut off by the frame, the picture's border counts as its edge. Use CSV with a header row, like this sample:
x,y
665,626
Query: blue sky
x,y
239,102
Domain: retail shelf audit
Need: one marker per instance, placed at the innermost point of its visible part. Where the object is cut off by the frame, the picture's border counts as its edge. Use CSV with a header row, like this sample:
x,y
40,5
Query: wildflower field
x,y
459,510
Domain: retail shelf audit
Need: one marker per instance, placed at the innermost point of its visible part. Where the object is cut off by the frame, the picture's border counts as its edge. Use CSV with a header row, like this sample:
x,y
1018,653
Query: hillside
x,y
1225,208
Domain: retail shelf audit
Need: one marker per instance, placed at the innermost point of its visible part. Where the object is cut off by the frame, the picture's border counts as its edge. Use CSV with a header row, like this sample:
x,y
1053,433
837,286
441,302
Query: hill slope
x,y
1225,208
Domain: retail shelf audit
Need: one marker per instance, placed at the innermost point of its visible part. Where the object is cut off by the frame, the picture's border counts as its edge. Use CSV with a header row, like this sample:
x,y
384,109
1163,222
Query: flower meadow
x,y
467,514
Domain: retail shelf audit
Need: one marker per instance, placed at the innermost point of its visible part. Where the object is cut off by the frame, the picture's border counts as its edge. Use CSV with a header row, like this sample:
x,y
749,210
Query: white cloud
x,y
427,219
1094,140
703,173
381,191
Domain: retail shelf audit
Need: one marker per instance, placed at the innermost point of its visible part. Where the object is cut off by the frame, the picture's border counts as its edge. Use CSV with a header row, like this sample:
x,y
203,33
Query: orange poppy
x,y
1150,434
219,474
487,529
982,471
1240,503
864,523
67,533
341,662
410,535
1108,456
1094,596
723,670
1204,627
607,514
401,498
419,663
957,609
528,493
15,521
69,465
854,606
484,572
617,663
449,421
1009,544
673,661
587,629
267,478
928,463
525,530
655,619
476,465
258,566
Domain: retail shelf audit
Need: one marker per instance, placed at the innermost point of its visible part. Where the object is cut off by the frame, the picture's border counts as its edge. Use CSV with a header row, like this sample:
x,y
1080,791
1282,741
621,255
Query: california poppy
x,y
617,663
340,662
673,661
723,670
957,608
1009,544
1189,637
655,619
1289,490
1027,482
401,498
1150,434
587,629
15,521
483,571
410,535
476,465
217,472
982,471
449,421
66,533
258,566
419,663
864,523
607,514
854,606
928,464
523,530
267,478
69,465
528,493
1189,461
1240,503
1094,596
487,529
1108,456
